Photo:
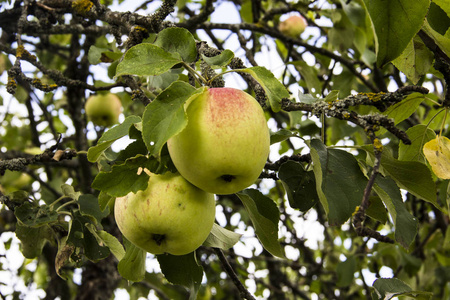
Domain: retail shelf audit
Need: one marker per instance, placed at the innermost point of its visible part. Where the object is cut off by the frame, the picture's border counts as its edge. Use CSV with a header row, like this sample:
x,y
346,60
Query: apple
x,y
225,144
14,181
293,26
103,109
170,216
33,151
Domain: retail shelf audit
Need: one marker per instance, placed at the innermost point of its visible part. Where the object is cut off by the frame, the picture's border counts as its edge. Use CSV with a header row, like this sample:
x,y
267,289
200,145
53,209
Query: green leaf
x,y
246,11
97,55
33,239
437,17
405,108
405,224
35,216
163,81
281,135
89,207
165,116
104,199
80,236
299,184
307,98
110,136
332,96
419,135
415,61
395,23
135,148
340,182
124,178
309,75
109,240
69,191
146,59
377,210
411,264
388,288
442,41
444,5
412,176
178,41
183,270
274,89
220,60
355,12
345,272
221,238
264,215
132,265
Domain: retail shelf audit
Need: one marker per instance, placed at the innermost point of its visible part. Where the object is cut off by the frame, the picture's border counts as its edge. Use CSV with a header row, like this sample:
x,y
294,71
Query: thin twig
x,y
361,213
245,294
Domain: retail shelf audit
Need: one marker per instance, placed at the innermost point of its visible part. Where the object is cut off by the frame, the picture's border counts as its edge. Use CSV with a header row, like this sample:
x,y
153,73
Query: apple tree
x,y
351,203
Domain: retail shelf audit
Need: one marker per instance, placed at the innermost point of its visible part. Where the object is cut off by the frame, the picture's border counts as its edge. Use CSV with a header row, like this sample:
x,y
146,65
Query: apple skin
x,y
103,109
225,144
293,26
170,216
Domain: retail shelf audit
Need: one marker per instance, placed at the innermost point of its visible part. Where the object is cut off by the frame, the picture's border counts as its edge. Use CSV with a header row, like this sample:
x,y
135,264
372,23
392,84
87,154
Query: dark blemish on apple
x,y
227,178
159,238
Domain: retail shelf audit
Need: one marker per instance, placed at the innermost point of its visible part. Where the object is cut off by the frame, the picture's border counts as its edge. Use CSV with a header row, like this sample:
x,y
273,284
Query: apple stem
x,y
196,75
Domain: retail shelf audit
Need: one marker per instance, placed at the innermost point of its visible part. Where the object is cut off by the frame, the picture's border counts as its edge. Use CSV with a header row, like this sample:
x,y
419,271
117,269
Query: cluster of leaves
x,y
379,160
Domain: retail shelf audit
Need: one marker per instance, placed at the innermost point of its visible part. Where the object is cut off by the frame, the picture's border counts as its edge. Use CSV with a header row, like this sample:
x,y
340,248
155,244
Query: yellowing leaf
x,y
437,152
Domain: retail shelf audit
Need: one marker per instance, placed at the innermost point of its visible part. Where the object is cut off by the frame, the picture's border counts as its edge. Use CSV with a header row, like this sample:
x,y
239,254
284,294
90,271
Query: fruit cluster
x,y
222,150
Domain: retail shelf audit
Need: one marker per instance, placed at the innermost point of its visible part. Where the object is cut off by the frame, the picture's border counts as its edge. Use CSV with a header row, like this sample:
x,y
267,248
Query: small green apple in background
x,y
225,144
170,216
293,26
33,151
14,181
103,109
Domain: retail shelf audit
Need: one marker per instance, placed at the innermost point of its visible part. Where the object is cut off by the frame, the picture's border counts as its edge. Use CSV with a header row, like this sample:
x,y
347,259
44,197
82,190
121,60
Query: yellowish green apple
x,y
103,109
170,216
14,181
33,151
293,26
225,144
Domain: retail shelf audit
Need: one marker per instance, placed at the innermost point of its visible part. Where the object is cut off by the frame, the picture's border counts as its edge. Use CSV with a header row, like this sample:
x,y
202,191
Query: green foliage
x,y
222,238
132,264
395,24
183,270
340,183
264,215
300,185
165,116
349,117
